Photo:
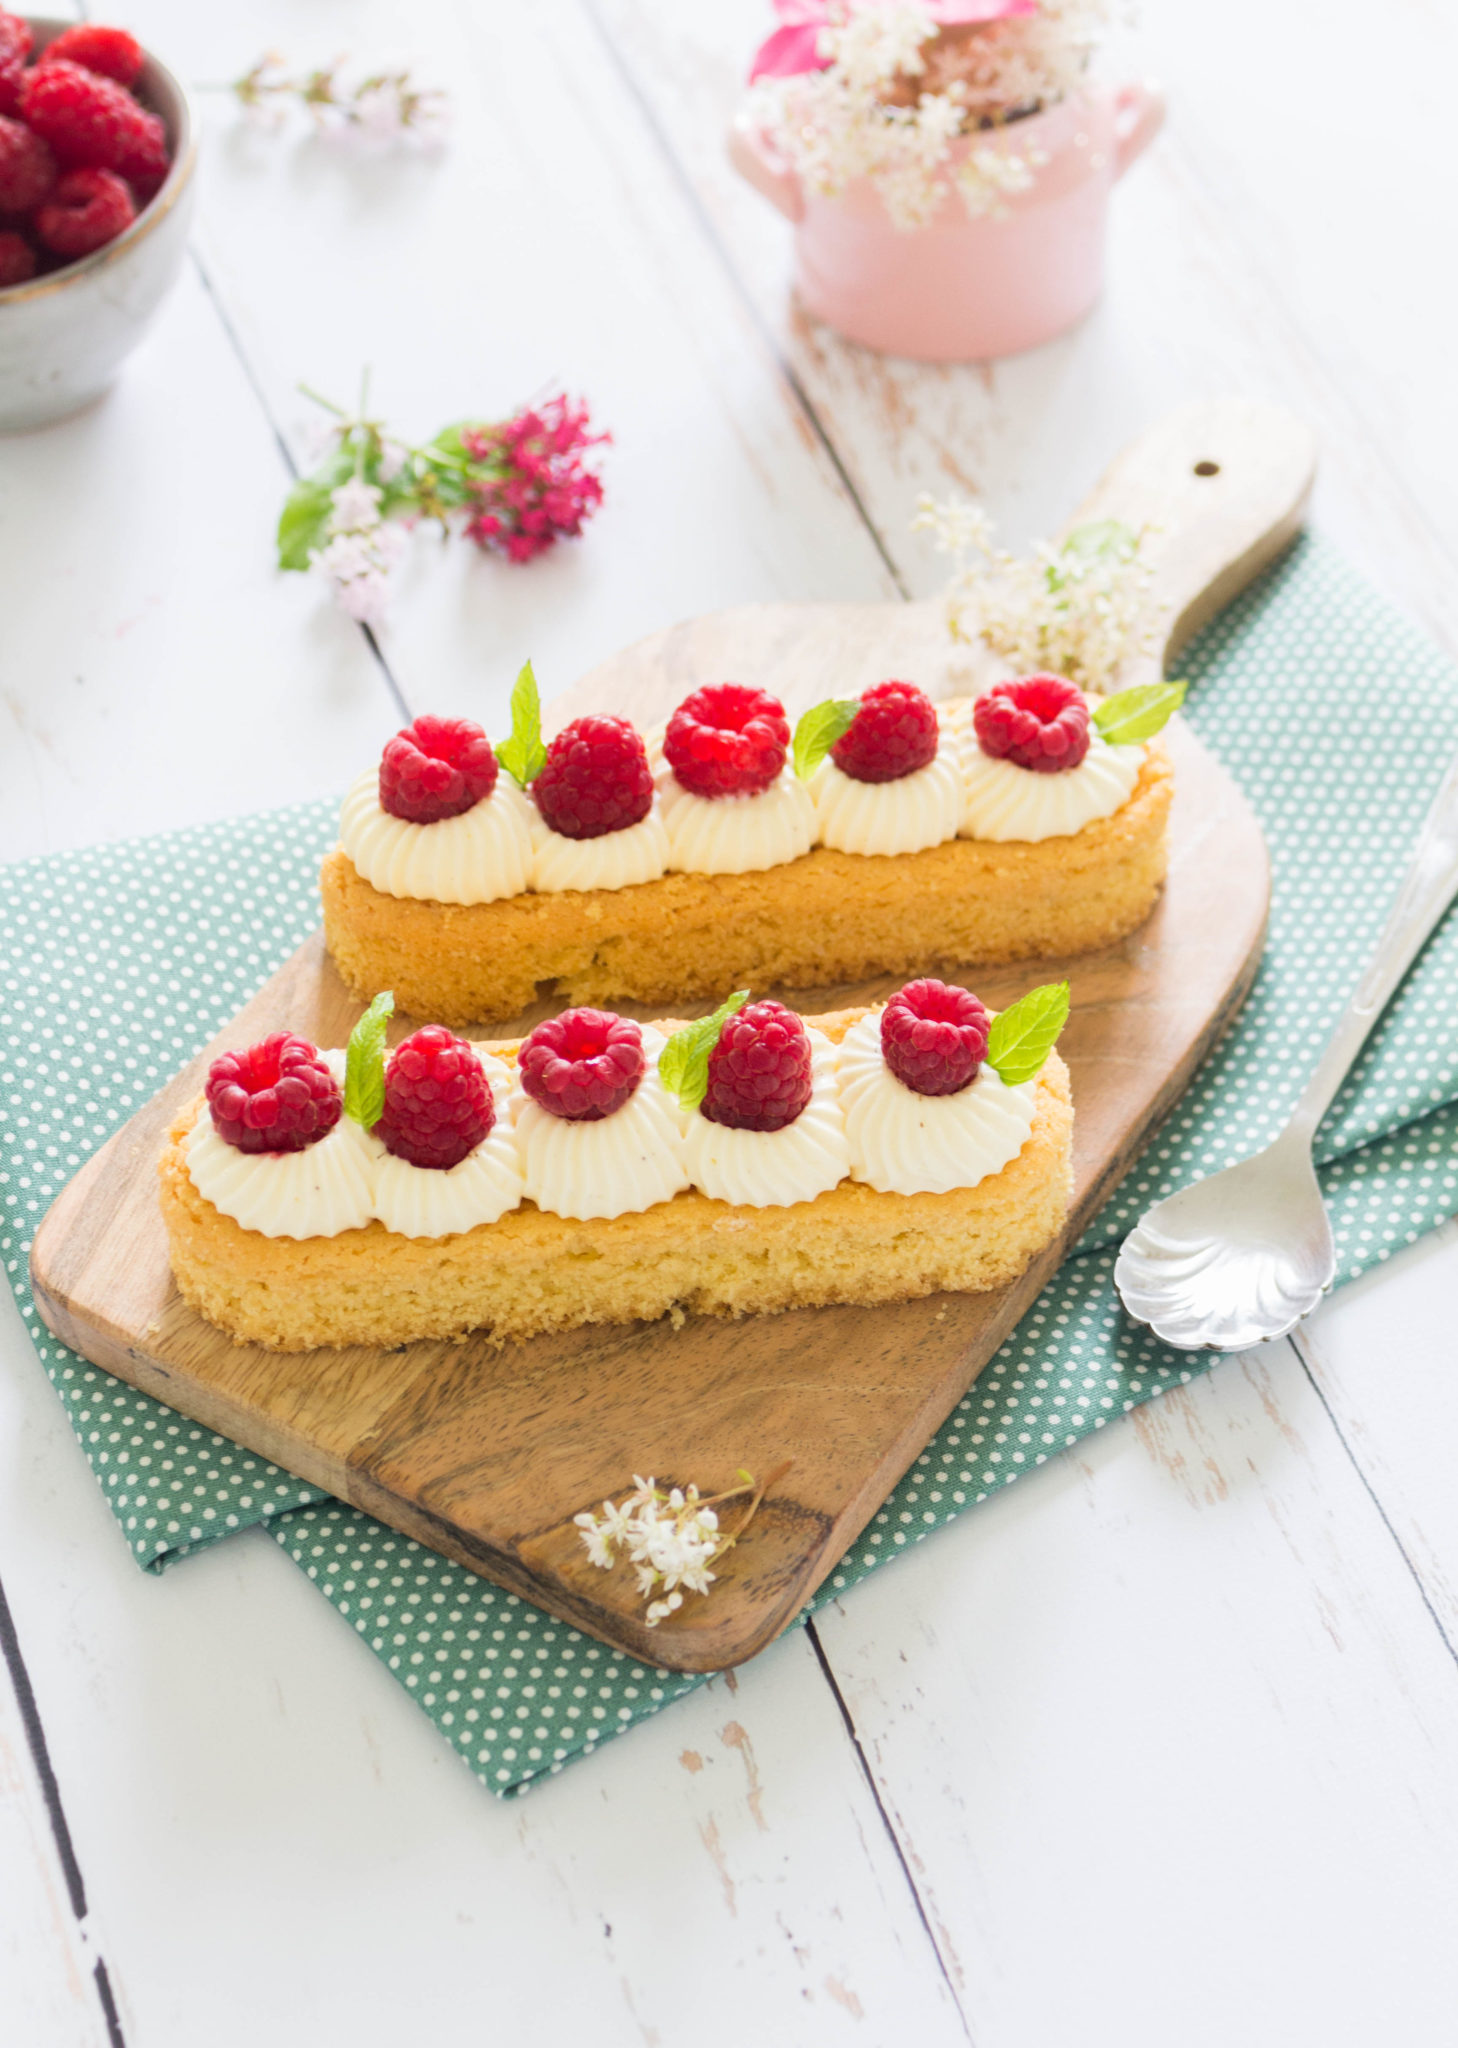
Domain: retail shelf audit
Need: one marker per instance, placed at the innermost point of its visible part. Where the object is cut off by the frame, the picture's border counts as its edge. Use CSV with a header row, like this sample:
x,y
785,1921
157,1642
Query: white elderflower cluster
x,y
669,1537
360,550
1078,607
859,118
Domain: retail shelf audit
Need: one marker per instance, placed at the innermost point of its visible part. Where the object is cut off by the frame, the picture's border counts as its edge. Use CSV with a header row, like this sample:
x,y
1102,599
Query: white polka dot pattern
x,y
1336,718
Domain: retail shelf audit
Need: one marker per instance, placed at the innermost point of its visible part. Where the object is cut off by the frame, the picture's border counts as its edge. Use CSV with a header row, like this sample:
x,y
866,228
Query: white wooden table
x,y
1160,1746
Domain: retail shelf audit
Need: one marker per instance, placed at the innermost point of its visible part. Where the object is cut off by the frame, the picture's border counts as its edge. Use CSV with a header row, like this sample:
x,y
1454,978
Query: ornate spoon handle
x,y
1428,887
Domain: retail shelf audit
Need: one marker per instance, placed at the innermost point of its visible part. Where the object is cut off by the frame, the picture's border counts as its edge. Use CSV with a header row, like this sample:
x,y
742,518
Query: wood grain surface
x,y
487,1454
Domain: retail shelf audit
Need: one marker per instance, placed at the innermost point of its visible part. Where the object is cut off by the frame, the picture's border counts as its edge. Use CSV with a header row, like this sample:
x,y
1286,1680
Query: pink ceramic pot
x,y
966,288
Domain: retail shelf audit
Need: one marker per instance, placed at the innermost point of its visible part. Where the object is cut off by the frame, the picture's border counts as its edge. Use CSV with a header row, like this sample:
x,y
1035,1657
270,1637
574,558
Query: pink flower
x,y
795,46
529,485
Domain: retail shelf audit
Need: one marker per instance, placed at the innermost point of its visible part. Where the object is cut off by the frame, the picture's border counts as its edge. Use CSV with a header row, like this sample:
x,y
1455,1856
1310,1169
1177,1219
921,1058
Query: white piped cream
x,y
902,1143
775,1169
482,855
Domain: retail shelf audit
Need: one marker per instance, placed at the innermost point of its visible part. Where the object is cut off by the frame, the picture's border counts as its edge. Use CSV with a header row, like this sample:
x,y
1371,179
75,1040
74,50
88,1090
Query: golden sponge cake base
x,y
530,1273
825,918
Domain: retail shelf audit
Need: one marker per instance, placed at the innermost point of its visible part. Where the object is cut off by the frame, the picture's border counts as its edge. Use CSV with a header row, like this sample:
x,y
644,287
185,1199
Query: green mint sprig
x,y
364,1065
523,756
683,1064
1022,1036
818,731
1138,714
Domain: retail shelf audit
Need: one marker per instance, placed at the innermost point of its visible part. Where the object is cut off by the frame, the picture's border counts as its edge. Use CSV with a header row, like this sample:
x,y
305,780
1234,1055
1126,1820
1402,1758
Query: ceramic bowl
x,y
64,337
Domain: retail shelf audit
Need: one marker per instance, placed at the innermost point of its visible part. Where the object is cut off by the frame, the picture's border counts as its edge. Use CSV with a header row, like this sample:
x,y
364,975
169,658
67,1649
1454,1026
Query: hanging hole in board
x,y
1207,469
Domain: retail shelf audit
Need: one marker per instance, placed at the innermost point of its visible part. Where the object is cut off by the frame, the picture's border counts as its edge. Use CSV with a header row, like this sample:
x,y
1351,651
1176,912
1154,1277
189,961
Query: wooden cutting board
x,y
485,1454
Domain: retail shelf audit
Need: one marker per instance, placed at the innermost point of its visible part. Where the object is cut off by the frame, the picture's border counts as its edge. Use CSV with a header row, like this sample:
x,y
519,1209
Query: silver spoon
x,y
1242,1257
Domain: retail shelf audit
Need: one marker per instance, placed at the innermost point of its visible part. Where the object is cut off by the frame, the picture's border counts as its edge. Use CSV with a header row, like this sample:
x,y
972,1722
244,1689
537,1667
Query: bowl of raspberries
x,y
96,160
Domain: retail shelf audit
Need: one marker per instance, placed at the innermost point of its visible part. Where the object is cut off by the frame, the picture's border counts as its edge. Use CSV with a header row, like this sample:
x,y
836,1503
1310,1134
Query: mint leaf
x,y
683,1064
364,1065
1022,1037
1138,714
523,756
302,522
819,730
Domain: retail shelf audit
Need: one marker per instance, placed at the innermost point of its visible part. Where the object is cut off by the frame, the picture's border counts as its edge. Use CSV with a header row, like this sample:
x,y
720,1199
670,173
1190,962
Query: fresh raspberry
x,y
16,39
596,779
727,740
110,52
1040,722
87,210
94,123
17,259
893,734
438,1104
759,1072
27,168
437,768
934,1038
12,83
277,1096
582,1065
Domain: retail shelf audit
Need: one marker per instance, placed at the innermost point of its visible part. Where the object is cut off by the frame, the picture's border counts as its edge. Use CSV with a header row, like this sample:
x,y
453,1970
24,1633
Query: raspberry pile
x,y
759,1072
436,768
79,154
438,1104
934,1037
276,1096
1039,722
582,1065
727,740
893,734
596,779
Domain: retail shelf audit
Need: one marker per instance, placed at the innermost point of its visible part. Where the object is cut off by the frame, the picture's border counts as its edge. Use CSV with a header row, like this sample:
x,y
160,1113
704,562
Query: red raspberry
x,y
15,42
87,210
934,1038
582,1065
759,1072
93,122
437,768
16,39
17,259
438,1104
277,1096
893,734
1040,722
27,168
596,780
110,52
727,740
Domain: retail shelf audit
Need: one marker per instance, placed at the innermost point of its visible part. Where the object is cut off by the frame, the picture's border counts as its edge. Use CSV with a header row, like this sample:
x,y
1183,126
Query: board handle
x,y
1224,485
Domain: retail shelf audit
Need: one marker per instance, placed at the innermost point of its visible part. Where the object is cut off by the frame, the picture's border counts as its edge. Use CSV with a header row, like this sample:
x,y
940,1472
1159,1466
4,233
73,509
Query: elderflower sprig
x,y
1078,607
899,94
515,487
382,107
670,1535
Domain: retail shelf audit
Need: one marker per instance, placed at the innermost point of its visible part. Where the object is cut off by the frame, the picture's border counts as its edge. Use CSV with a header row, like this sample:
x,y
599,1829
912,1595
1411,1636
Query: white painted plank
x,y
546,247
279,1847
1384,1357
1170,1739
48,1997
155,671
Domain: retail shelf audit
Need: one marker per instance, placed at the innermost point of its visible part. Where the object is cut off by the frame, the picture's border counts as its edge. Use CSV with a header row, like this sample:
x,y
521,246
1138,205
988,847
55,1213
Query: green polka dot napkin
x,y
120,962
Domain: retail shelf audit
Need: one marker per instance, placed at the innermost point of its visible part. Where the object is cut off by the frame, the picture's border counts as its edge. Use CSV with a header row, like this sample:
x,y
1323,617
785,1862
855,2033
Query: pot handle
x,y
751,156
1138,118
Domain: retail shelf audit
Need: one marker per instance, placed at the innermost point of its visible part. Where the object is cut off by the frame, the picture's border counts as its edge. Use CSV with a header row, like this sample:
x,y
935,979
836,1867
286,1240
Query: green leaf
x,y
819,730
302,522
683,1064
1098,541
1138,714
364,1065
523,756
1022,1037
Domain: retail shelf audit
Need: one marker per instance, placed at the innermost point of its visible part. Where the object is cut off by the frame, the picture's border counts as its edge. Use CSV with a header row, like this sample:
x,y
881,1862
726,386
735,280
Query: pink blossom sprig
x,y
384,107
515,487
